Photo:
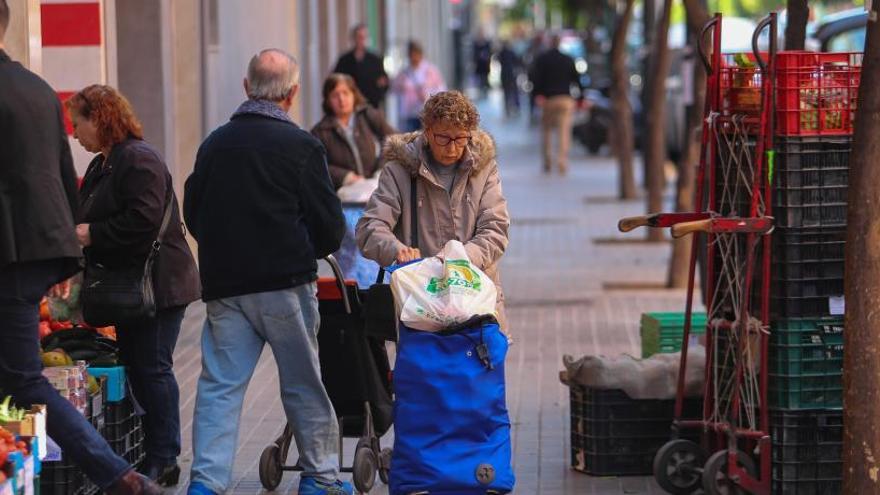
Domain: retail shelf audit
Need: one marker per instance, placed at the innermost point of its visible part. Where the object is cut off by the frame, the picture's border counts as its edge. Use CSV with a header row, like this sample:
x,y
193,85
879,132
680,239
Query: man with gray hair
x,y
262,207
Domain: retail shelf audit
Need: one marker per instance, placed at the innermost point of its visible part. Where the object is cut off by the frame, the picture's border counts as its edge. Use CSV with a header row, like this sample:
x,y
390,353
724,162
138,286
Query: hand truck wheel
x,y
364,469
715,480
270,467
678,466
385,464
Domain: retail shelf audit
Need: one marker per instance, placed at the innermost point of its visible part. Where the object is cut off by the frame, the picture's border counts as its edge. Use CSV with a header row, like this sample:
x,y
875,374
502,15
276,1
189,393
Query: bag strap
x,y
414,222
414,212
166,219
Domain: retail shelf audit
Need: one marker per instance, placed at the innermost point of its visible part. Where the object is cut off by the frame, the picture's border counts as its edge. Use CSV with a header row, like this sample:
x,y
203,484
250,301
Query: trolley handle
x,y
770,20
340,281
713,23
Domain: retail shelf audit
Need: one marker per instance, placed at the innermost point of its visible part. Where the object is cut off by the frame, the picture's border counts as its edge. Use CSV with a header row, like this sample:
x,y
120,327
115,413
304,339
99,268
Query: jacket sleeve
x,y
375,230
379,124
192,192
68,172
493,224
322,210
537,77
337,171
141,187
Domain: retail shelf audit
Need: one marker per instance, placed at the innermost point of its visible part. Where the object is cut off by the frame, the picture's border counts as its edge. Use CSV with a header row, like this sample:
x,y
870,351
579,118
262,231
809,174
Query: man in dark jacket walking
x,y
262,207
554,75
38,249
365,67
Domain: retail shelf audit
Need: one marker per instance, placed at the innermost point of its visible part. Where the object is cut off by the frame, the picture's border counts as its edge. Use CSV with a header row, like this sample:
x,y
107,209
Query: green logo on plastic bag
x,y
458,274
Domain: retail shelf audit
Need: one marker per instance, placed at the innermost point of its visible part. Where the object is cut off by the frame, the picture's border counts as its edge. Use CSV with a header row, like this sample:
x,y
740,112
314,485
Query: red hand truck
x,y
734,213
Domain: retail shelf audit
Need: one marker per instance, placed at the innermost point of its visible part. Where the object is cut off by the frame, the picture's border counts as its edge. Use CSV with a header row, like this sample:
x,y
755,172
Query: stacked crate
x,y
613,434
815,112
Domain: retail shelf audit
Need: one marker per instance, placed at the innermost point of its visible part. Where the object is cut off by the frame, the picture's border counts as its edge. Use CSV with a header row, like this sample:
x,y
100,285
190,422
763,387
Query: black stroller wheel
x,y
270,467
385,464
364,469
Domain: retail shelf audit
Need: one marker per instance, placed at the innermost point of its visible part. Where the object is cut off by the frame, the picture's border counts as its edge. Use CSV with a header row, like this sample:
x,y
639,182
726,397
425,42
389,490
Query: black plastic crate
x,y
810,183
807,451
807,487
808,269
60,478
614,435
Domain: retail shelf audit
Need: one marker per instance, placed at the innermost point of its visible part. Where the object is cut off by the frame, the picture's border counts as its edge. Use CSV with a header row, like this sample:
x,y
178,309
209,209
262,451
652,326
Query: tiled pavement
x,y
553,276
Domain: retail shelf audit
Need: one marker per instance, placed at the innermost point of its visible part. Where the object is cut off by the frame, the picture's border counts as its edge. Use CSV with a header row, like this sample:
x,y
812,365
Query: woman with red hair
x,y
123,201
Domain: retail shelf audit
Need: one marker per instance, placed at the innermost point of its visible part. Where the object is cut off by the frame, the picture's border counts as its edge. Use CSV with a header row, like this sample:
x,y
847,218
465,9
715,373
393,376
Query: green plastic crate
x,y
794,392
806,363
662,332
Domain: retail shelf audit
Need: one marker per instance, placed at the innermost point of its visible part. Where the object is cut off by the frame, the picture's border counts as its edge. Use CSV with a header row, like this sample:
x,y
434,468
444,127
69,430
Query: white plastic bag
x,y
358,192
442,291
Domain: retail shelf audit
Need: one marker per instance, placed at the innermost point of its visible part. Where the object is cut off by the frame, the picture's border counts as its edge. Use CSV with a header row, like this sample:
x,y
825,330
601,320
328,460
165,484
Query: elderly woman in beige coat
x,y
452,164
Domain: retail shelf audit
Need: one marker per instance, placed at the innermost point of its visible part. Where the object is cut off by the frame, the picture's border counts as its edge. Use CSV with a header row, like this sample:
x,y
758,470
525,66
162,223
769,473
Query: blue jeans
x,y
21,288
146,348
236,329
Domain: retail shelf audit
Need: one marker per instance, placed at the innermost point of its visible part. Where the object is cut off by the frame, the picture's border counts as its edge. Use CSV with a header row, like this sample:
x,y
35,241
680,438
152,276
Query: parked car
x,y
840,32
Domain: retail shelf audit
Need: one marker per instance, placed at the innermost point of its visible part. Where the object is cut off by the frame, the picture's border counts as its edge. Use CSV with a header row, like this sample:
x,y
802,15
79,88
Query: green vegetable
x,y
742,61
10,413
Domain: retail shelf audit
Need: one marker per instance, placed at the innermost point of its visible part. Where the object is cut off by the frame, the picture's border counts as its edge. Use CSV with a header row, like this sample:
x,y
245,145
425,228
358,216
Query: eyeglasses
x,y
444,140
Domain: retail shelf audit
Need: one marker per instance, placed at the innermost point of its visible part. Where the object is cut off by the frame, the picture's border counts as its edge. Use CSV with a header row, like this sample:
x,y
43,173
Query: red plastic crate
x,y
816,93
741,85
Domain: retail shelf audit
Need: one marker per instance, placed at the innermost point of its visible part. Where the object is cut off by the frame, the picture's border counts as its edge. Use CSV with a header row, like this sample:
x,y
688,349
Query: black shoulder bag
x,y
380,318
113,295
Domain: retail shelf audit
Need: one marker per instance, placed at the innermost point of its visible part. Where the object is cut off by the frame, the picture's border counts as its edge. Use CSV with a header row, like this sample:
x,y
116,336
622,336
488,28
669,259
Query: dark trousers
x,y
21,288
146,348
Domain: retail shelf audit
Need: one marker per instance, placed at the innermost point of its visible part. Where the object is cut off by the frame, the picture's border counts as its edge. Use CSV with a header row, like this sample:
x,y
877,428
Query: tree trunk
x,y
622,126
861,364
655,146
649,30
679,263
796,27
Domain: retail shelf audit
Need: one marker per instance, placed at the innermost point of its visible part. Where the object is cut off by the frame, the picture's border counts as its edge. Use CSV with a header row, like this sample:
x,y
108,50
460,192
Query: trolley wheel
x,y
364,469
385,464
677,466
715,480
270,467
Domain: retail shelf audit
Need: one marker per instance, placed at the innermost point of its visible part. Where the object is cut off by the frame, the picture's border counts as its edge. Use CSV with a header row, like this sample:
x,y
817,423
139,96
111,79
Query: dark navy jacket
x,y
262,206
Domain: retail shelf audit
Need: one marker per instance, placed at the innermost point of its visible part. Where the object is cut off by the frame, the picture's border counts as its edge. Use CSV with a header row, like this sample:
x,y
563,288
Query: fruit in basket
x,y
94,388
45,329
56,358
742,60
44,310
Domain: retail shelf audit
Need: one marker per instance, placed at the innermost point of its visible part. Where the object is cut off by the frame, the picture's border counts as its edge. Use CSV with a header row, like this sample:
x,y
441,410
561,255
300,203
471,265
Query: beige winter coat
x,y
475,213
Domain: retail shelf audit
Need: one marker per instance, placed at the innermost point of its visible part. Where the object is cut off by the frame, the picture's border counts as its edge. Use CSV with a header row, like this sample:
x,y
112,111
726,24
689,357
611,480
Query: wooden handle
x,y
685,228
629,223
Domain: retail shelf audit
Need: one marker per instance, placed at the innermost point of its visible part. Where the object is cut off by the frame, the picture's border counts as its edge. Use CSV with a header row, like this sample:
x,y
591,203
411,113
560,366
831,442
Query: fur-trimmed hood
x,y
410,150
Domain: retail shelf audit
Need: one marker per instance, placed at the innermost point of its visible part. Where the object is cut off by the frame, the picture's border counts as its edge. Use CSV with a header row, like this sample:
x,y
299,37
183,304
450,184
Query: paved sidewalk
x,y
553,275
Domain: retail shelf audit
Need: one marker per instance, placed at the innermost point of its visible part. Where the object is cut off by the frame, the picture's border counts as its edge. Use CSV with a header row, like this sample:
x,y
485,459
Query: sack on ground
x,y
442,291
652,378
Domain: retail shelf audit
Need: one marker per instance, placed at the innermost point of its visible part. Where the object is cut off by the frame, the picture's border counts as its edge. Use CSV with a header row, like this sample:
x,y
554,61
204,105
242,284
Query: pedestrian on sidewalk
x,y
123,200
351,131
554,75
365,67
39,249
482,59
414,85
511,66
452,166
262,207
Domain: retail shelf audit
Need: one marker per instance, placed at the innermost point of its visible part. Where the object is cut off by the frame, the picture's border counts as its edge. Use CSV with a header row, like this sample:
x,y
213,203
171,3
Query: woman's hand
x,y
83,235
407,254
350,178
60,290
